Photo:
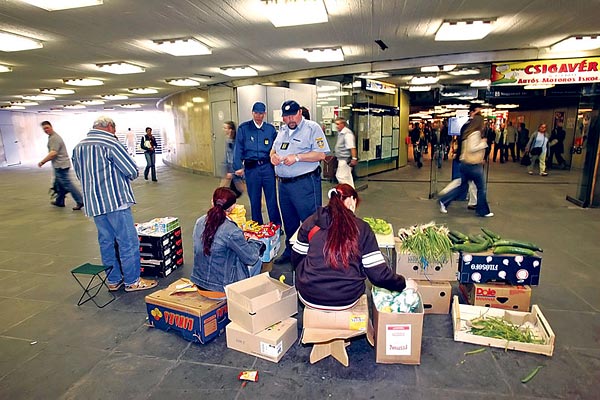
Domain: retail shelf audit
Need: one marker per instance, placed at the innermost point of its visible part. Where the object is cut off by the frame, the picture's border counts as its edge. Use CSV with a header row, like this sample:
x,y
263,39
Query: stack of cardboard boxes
x,y
498,280
161,246
260,309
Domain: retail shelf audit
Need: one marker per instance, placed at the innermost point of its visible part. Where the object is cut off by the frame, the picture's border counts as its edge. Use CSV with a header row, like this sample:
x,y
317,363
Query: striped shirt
x,y
105,170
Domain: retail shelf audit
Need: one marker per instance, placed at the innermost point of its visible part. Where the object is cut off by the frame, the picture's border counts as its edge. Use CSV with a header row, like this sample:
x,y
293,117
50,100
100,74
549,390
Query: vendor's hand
x,y
289,159
412,284
240,172
229,175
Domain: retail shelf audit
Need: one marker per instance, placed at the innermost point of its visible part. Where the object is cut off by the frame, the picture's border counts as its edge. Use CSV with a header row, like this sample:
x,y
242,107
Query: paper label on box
x,y
358,322
271,350
398,338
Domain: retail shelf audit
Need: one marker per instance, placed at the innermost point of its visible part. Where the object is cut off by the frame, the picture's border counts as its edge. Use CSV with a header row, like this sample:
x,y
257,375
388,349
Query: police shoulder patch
x,y
320,142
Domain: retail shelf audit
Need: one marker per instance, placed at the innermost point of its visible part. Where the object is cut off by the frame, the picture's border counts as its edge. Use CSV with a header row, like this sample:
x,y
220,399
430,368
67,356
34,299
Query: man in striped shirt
x,y
106,170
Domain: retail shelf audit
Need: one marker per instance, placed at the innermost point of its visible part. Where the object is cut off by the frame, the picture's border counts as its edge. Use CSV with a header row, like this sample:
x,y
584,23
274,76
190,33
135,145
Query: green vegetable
x,y
490,234
481,350
476,239
473,247
459,235
429,242
532,374
517,243
498,328
378,225
513,250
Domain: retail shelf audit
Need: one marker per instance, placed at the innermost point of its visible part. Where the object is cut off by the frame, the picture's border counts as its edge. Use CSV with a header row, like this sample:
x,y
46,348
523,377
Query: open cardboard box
x,y
260,301
461,313
270,344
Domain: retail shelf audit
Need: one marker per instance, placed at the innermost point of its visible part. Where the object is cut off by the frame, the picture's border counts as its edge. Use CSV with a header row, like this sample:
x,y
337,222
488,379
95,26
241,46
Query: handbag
x,y
536,151
526,160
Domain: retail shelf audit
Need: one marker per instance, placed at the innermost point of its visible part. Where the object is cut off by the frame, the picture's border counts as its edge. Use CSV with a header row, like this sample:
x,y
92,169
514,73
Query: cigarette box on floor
x,y
197,318
398,336
497,295
270,344
509,268
260,301
436,296
410,266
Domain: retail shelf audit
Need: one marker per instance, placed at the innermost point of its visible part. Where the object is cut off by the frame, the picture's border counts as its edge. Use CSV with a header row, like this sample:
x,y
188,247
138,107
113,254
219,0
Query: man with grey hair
x,y
345,151
106,170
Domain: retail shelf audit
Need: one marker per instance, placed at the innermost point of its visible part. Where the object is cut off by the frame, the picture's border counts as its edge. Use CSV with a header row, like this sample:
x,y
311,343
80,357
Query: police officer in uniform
x,y
253,144
296,155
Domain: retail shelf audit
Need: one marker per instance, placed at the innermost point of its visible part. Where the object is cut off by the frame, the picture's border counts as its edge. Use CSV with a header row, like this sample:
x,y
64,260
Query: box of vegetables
x,y
506,329
425,252
488,257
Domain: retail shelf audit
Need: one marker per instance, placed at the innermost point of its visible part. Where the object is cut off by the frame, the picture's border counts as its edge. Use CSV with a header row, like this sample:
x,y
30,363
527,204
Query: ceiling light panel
x,y
577,43
424,80
324,55
464,30
83,82
5,68
38,97
419,88
283,13
26,103
538,86
53,91
239,71
11,107
374,75
53,5
11,42
114,97
92,102
182,82
465,71
481,83
130,105
142,90
74,106
120,68
182,47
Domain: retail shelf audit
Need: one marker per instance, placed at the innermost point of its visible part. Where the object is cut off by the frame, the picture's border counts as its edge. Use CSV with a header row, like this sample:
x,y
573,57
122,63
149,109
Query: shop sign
x,y
561,71
381,87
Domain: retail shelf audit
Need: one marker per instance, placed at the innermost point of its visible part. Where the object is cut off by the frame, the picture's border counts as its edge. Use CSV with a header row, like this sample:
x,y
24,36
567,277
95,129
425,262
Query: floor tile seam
x,y
15,367
502,374
24,320
32,272
576,293
175,363
239,392
575,359
571,311
50,303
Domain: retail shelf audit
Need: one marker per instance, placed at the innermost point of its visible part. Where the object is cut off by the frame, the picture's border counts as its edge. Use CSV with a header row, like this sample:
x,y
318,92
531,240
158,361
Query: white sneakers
x,y
488,215
443,208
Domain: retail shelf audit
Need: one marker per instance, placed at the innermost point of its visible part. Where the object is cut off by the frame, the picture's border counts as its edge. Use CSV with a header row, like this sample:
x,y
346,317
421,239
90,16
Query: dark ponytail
x,y
223,198
342,238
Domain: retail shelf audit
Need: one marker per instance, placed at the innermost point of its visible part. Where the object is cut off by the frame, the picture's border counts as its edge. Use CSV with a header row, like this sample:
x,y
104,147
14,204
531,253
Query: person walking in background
x,y
415,138
490,137
299,148
557,147
130,142
522,139
253,143
345,151
511,139
106,170
536,147
58,155
500,144
149,145
230,179
222,255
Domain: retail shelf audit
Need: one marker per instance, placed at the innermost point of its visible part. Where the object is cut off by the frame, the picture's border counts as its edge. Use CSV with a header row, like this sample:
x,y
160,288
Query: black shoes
x,y
78,207
56,204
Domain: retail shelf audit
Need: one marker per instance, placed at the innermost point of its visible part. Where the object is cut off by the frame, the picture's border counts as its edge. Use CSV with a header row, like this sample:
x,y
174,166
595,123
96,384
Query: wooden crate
x,y
461,313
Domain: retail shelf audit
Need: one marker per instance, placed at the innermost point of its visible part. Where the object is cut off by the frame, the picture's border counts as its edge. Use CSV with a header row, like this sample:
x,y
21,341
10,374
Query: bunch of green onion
x,y
429,242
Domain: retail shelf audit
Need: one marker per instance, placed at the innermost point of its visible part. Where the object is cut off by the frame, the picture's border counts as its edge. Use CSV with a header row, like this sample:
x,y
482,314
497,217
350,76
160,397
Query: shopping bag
x,y
526,160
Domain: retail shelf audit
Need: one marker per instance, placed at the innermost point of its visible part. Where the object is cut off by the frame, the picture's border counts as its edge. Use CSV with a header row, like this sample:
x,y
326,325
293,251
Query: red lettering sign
x,y
178,320
489,292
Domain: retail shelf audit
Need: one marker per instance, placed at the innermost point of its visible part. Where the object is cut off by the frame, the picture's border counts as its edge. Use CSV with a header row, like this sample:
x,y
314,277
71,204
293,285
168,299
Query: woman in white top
x,y
536,147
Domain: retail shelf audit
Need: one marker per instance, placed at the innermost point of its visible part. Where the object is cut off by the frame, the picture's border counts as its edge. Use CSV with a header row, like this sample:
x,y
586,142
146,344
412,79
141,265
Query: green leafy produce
x,y
498,328
378,225
429,242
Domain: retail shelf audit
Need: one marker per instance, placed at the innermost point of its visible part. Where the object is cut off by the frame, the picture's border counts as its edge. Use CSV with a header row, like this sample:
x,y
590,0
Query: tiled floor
x,y
50,348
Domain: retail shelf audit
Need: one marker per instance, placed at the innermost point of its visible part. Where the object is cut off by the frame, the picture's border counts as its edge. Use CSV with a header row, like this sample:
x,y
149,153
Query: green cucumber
x,y
490,234
476,239
518,243
460,235
454,239
473,247
513,250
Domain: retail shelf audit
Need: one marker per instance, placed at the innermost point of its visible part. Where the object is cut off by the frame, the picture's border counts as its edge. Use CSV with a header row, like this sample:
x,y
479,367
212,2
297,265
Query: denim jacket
x,y
230,256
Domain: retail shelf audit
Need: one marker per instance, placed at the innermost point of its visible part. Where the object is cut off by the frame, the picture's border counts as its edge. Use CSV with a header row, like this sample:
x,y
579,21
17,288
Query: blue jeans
x,y
119,226
469,172
258,179
64,185
150,164
298,201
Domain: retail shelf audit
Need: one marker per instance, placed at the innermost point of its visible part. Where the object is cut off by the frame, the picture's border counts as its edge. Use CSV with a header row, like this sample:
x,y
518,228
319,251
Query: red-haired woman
x,y
335,253
221,253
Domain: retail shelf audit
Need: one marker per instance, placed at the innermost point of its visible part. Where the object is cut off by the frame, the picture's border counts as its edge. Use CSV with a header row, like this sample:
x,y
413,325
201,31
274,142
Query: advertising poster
x,y
556,72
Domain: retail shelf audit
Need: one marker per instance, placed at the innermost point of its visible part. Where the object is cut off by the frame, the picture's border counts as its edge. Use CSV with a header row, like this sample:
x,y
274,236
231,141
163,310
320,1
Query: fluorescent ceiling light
x,y
83,82
298,12
465,71
11,107
577,43
507,105
239,71
182,82
109,108
91,102
324,55
183,47
419,88
476,101
142,90
450,94
24,103
327,88
374,75
538,86
464,30
74,106
424,80
120,68
38,97
5,68
456,106
12,42
466,97
435,68
130,105
114,97
57,91
481,83
53,5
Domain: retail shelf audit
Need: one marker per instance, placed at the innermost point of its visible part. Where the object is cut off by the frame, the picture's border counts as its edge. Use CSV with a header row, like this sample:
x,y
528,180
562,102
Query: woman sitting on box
x,y
335,252
222,255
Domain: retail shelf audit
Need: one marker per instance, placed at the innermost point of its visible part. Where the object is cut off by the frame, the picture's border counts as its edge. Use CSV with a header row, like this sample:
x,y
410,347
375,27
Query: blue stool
x,y
94,284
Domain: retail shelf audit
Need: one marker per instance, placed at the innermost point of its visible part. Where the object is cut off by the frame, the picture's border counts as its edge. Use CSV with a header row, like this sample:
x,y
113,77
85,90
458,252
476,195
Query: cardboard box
x,y
353,319
195,317
270,344
260,301
273,244
409,266
489,267
398,336
160,268
436,296
497,295
462,313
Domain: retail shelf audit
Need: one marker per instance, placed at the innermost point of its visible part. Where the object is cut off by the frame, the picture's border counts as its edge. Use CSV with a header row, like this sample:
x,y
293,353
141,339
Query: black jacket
x,y
321,284
152,141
